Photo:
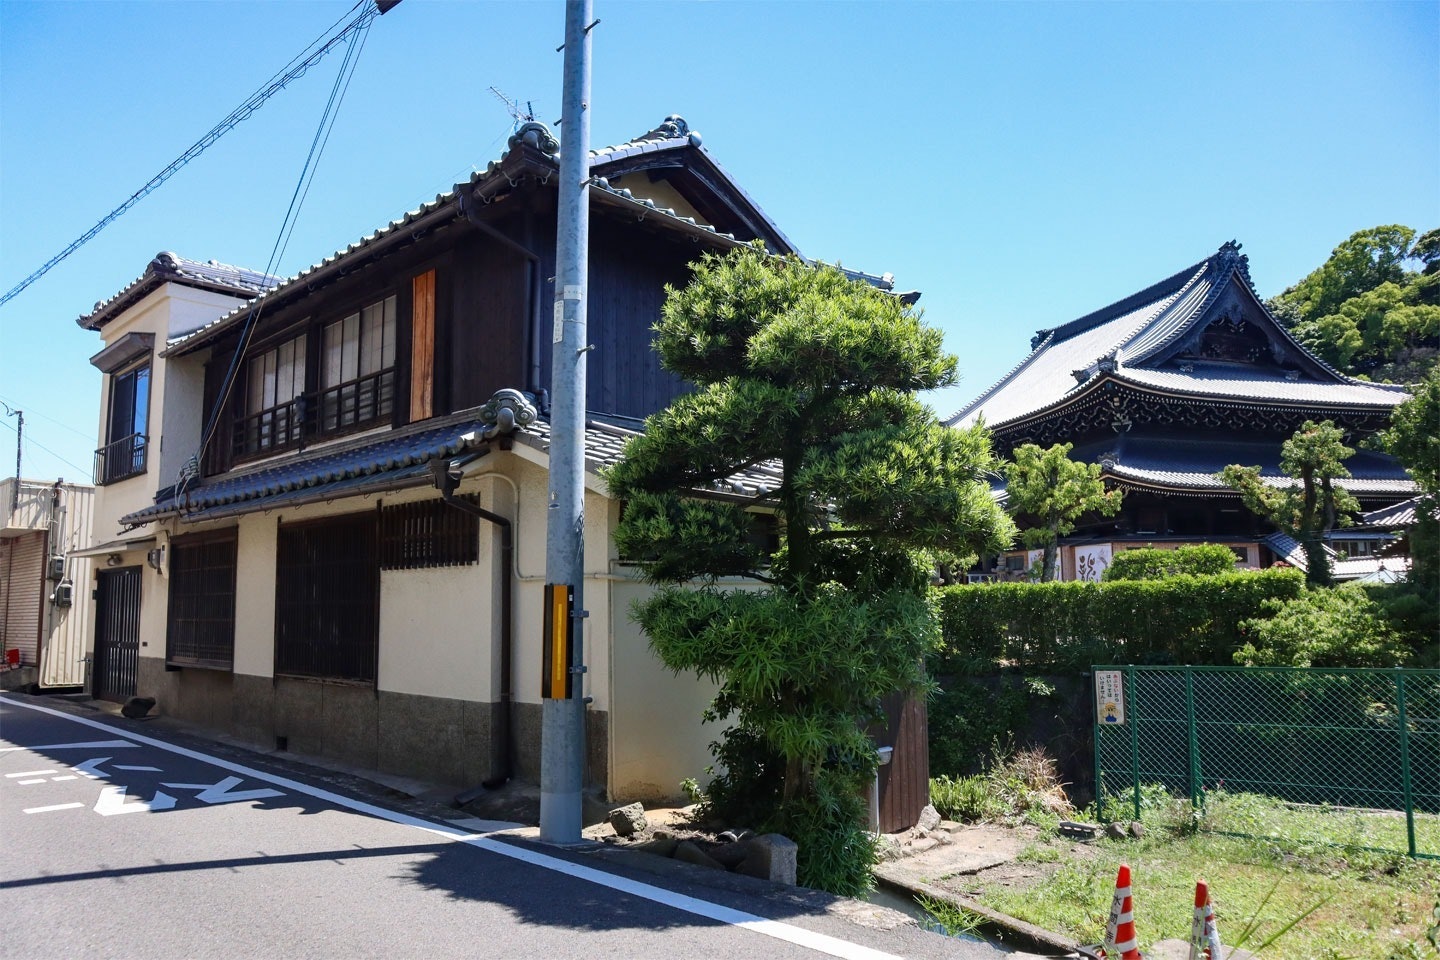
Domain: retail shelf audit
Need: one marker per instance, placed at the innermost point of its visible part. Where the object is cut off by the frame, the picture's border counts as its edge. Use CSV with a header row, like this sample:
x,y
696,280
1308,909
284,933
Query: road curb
x,y
1015,930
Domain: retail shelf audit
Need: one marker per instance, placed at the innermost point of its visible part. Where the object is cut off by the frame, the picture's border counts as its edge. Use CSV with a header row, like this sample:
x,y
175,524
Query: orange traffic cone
x,y
1120,929
1204,935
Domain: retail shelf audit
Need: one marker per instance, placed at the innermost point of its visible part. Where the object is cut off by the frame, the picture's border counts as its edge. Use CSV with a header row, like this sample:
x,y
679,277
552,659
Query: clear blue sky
x,y
1020,163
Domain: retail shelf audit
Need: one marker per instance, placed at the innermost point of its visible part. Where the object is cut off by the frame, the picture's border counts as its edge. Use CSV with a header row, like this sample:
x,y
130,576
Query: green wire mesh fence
x,y
1343,756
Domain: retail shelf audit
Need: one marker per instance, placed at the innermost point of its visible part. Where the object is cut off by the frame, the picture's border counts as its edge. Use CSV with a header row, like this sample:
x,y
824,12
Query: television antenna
x,y
512,107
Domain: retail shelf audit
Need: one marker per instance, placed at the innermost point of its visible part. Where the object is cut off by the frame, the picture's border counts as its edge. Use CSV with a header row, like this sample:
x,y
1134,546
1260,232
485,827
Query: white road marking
x,y
30,773
68,776
112,802
222,792
87,745
58,806
121,766
26,783
91,768
820,942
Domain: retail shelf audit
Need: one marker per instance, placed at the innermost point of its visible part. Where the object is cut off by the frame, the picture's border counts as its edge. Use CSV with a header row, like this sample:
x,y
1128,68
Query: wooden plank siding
x,y
629,268
422,346
489,322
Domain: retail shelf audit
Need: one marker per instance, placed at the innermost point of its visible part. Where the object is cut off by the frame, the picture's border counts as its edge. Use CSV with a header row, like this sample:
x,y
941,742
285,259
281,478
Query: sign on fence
x,y
1110,697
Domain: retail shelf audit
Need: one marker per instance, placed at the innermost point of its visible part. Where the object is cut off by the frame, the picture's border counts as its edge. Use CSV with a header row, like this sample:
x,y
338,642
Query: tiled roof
x,y
605,443
1395,517
671,135
1128,340
170,267
1226,380
392,461
1191,464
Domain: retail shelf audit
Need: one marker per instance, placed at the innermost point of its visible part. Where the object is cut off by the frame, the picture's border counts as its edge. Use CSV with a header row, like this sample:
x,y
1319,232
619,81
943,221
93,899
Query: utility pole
x,y
19,416
562,732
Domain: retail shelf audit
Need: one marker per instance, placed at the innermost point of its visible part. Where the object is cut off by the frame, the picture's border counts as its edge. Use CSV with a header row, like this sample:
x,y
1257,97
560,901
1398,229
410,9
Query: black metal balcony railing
x,y
357,402
278,428
336,410
121,458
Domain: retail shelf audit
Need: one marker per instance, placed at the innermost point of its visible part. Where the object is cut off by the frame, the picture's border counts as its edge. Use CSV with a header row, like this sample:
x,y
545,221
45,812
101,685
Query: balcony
x,y
345,408
121,459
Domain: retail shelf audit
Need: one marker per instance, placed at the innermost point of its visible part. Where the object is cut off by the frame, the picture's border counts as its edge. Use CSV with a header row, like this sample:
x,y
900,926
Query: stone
x,y
950,826
1115,831
730,855
689,852
921,845
929,818
1137,829
1078,830
771,857
629,820
661,833
136,707
660,846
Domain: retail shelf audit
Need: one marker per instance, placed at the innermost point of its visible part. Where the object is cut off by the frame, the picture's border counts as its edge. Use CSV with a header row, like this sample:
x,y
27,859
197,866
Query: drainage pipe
x,y
446,482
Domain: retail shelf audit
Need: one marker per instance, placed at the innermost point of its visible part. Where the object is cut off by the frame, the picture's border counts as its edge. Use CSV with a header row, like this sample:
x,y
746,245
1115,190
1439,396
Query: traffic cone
x,y
1204,935
1120,929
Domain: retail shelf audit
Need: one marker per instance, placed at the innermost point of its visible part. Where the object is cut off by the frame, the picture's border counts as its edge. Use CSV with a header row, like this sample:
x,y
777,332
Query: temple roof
x,y
1188,464
1202,332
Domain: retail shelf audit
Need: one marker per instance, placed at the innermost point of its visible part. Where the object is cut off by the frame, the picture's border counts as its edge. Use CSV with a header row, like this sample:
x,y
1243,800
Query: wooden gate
x,y
117,633
905,780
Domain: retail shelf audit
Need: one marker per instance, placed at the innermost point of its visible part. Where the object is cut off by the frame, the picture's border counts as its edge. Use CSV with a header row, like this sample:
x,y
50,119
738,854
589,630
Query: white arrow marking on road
x,y
91,768
222,792
87,745
112,801
121,766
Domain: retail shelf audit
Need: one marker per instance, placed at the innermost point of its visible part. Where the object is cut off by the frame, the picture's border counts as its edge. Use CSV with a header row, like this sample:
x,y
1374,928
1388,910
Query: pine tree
x,y
1054,491
809,372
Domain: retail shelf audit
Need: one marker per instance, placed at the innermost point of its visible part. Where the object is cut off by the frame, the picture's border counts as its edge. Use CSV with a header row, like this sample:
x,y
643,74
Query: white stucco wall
x,y
255,596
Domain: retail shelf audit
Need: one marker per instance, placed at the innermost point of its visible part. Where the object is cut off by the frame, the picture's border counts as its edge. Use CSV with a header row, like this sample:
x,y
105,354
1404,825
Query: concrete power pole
x,y
562,733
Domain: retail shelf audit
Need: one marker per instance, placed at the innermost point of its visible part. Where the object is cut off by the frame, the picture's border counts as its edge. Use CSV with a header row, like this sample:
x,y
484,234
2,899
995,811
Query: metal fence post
x,y
1405,759
1133,709
1192,741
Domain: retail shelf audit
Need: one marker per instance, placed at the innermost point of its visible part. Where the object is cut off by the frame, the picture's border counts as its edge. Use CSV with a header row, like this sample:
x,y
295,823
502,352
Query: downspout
x,y
506,411
446,480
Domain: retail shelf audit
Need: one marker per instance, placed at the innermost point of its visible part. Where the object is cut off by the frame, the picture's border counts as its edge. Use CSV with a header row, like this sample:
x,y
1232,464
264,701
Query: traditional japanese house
x,y
322,590
1165,388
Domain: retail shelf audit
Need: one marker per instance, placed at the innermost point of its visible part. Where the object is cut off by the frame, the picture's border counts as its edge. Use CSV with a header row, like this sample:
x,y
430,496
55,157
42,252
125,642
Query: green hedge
x,y
1068,626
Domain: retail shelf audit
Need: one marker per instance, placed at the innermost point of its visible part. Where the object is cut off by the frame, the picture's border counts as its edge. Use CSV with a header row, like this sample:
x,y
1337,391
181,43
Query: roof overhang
x,y
126,350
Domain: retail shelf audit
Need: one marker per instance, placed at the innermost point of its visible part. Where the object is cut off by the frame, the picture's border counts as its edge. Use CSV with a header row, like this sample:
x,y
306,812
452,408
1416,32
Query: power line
x,y
282,239
32,442
30,411
297,67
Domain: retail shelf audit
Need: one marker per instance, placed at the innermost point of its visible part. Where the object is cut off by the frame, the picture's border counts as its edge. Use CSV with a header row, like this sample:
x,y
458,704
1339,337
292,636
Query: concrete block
x,y
771,857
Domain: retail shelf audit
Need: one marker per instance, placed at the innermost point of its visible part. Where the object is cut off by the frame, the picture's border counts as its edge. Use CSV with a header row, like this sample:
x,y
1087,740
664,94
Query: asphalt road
x,y
123,840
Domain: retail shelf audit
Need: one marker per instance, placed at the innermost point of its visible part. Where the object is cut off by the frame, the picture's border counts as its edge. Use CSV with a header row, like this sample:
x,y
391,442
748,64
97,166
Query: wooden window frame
x,y
202,594
327,609
428,533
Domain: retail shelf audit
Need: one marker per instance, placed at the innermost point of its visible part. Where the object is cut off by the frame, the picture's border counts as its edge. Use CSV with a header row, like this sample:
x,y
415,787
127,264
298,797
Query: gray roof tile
x,y
169,267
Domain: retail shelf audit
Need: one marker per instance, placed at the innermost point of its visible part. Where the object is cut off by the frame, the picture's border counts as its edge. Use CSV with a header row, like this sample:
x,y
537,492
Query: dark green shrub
x,y
1151,563
969,717
1067,627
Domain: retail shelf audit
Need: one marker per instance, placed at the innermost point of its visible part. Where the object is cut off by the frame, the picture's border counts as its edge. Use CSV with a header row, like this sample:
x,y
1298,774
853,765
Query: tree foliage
x,y
800,368
1326,627
1364,311
1414,440
1150,563
1314,456
1051,492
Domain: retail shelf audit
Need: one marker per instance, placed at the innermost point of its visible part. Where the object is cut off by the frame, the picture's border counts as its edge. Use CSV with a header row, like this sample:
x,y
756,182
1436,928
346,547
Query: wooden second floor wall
x,y
491,318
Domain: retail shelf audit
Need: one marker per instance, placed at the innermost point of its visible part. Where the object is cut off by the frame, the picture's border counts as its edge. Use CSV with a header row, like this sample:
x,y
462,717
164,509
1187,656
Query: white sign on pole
x,y
1110,697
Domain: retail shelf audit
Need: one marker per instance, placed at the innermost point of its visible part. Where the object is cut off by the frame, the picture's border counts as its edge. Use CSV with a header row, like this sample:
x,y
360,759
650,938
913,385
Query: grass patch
x,y
1378,905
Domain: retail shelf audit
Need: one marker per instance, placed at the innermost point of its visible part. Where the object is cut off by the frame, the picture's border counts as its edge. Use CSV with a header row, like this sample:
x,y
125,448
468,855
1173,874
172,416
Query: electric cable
x,y
338,90
295,69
